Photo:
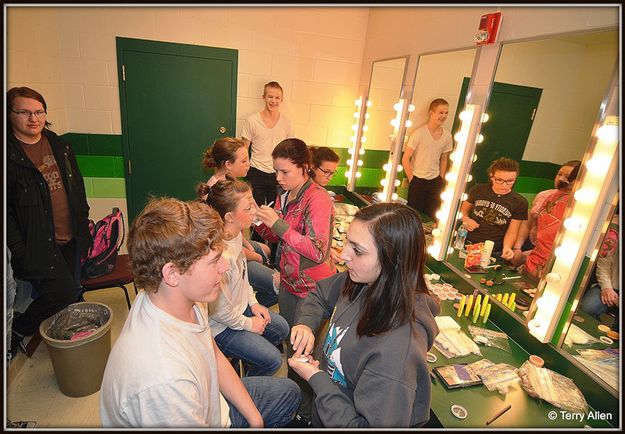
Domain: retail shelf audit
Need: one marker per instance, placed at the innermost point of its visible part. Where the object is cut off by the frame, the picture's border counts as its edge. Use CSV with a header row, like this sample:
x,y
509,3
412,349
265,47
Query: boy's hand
x,y
302,339
258,325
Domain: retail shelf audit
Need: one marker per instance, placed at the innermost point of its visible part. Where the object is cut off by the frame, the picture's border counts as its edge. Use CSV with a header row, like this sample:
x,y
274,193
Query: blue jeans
x,y
276,399
10,290
591,304
259,351
261,279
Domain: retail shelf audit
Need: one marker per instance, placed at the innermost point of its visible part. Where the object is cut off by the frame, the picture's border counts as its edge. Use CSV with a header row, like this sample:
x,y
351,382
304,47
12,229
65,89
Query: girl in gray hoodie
x,y
373,372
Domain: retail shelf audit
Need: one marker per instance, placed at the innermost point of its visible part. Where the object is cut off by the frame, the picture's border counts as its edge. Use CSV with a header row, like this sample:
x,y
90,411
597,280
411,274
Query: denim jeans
x,y
259,351
591,304
276,399
261,279
11,290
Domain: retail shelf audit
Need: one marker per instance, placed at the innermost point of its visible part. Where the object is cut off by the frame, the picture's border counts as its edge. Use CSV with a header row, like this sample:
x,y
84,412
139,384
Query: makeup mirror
x,y
592,338
542,108
438,75
385,87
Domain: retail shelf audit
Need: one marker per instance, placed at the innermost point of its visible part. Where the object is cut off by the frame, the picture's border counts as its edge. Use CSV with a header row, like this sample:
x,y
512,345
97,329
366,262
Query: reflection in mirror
x,y
593,335
385,86
438,83
541,112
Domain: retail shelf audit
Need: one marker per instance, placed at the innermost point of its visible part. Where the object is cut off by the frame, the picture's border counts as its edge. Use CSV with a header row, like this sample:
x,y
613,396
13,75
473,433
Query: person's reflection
x,y
526,240
493,211
602,297
548,224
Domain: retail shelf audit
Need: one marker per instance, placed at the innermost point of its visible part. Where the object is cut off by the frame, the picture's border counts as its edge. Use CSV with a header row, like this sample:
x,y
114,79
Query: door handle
x,y
222,130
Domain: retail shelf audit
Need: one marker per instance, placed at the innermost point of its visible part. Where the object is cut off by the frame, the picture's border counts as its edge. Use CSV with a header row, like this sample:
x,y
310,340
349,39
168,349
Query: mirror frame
x,y
361,115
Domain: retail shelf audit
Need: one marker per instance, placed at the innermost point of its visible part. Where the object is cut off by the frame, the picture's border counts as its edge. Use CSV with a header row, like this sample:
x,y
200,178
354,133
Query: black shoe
x,y
299,422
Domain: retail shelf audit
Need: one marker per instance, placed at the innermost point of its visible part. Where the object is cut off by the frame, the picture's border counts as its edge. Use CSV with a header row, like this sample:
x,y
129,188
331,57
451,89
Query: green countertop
x,y
482,405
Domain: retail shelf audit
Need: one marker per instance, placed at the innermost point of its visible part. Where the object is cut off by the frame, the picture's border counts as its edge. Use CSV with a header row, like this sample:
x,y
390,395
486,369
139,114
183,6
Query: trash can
x,y
79,342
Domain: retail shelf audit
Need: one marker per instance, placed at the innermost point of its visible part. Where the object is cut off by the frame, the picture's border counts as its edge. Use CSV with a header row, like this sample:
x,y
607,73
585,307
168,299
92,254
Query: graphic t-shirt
x,y
493,213
41,155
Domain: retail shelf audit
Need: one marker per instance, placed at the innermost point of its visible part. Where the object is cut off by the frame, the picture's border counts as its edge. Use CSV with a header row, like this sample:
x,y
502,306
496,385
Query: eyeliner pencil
x,y
499,413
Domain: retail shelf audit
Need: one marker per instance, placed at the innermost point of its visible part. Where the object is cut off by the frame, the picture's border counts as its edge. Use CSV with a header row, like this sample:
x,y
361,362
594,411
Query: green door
x,y
175,101
511,110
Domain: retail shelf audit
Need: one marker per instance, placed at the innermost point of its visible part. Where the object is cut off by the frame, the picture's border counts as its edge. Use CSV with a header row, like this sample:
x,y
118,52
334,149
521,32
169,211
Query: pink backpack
x,y
101,257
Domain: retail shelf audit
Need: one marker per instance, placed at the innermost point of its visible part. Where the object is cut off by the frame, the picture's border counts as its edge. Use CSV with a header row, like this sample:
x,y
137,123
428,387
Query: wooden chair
x,y
119,277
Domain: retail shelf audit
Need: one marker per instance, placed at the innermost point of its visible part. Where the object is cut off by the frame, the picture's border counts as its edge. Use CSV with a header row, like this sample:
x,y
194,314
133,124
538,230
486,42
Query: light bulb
x,y
480,138
359,163
585,195
383,182
454,156
469,178
440,214
574,224
408,123
367,116
348,173
350,162
400,168
436,232
394,122
369,103
394,196
397,183
386,167
356,115
353,139
358,174
566,252
358,102
464,196
458,215
434,249
460,137
608,133
365,128
397,106
598,164
485,117
361,151
451,176
465,116
354,127
411,108
350,151
553,279
475,158
363,139
446,195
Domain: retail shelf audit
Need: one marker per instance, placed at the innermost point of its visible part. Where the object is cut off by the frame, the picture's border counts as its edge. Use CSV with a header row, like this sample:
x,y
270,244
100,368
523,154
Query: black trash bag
x,y
76,318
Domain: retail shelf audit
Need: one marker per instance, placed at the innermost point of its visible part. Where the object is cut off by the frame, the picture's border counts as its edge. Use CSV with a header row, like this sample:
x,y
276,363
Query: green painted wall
x,y
102,165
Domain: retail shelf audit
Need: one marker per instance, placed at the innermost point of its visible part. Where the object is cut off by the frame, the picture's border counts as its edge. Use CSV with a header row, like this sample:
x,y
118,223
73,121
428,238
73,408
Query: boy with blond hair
x,y
165,369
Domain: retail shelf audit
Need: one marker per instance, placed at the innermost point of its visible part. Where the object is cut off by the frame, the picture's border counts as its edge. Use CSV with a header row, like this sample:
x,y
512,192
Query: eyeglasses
x,y
27,113
503,181
327,173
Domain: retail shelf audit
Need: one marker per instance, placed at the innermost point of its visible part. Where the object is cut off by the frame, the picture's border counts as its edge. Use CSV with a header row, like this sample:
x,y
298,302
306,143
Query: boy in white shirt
x,y
165,369
264,130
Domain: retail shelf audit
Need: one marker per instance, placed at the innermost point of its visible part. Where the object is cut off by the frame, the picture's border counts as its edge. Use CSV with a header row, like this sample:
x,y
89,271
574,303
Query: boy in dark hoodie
x,y
374,371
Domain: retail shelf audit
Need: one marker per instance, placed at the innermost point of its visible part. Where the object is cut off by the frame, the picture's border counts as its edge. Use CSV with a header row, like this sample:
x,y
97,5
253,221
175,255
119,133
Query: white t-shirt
x,y
236,292
265,139
427,152
161,372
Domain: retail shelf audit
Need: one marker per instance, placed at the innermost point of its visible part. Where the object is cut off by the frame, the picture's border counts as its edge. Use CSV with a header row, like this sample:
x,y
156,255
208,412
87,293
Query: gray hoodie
x,y
377,381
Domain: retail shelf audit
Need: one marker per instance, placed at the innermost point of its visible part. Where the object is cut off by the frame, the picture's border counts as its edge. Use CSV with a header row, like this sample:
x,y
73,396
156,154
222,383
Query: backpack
x,y
101,257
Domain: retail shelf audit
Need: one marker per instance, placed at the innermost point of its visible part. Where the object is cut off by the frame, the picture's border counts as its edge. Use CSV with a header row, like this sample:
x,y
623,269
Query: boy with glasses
x,y
493,211
47,210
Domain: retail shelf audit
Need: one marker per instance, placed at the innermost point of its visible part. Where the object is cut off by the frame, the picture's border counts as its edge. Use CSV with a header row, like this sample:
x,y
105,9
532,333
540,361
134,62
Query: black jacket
x,y
30,223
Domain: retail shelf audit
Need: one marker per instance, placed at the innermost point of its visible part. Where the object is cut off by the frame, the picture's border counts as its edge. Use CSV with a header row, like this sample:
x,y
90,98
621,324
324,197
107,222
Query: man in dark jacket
x,y
47,210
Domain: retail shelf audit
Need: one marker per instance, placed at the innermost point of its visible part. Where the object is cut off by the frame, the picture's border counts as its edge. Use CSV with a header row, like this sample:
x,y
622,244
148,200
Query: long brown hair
x,y
389,302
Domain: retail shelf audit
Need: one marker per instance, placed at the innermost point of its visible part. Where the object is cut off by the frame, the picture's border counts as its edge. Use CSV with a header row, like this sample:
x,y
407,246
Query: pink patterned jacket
x,y
304,233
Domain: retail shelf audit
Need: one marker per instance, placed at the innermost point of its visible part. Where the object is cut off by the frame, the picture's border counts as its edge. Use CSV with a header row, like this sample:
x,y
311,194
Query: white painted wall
x,y
68,54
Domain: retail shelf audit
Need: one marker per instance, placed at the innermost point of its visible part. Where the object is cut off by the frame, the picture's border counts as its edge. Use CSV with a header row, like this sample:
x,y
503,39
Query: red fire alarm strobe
x,y
489,28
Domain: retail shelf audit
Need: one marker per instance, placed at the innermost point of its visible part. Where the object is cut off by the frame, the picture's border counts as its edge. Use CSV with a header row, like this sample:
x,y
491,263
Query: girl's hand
x,y
302,339
267,215
304,369
262,312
